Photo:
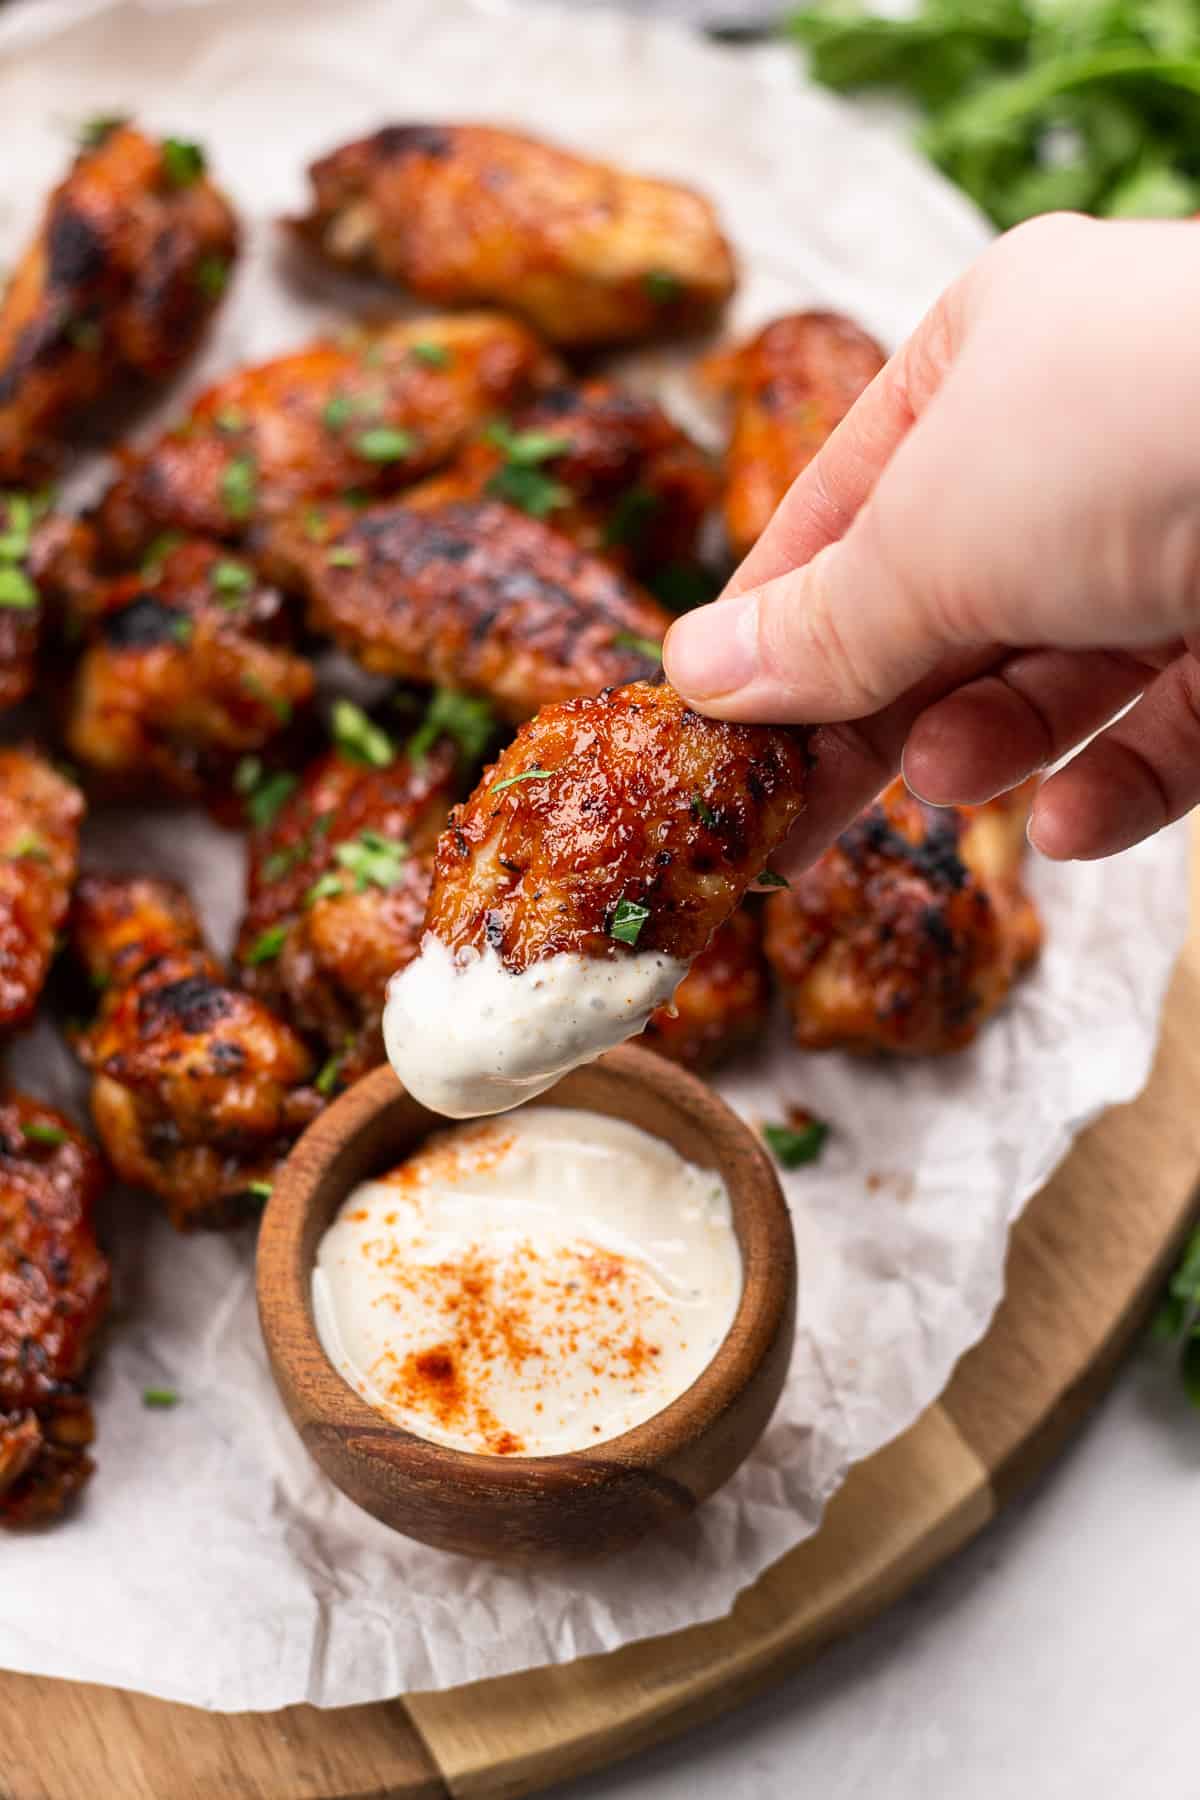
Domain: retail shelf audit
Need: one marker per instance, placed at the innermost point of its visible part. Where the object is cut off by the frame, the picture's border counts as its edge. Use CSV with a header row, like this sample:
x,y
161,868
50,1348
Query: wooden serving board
x,y
1085,1264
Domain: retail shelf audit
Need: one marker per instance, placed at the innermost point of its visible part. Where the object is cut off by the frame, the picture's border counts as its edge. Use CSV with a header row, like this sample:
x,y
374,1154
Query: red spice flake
x,y
449,1155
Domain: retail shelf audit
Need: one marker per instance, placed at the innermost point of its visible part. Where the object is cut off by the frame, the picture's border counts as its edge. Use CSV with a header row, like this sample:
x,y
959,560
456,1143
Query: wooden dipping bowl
x,y
525,1508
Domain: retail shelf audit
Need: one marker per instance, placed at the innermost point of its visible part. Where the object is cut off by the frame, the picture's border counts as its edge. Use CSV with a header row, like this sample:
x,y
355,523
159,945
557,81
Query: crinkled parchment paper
x,y
211,1562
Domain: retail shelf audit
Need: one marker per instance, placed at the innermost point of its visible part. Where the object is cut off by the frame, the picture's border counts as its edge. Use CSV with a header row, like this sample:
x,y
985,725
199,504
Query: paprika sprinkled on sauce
x,y
529,1285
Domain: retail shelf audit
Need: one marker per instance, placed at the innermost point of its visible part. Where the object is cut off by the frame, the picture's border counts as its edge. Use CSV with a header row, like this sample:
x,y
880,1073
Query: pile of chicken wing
x,y
496,533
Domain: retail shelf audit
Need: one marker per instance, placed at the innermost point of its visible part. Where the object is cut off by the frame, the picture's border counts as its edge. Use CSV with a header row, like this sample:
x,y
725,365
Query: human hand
x,y
997,550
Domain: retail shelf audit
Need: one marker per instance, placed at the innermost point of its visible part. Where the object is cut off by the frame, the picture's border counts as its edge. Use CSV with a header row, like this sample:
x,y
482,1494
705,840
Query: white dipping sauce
x,y
529,1286
466,1036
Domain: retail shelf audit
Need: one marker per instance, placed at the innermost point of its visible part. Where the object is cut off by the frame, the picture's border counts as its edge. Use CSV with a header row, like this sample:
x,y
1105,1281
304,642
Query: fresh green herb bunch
x,y
1035,105
1178,1318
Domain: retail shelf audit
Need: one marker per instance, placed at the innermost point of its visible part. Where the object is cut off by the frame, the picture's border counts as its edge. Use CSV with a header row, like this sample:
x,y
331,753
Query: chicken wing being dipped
x,y
40,815
198,1089
907,934
45,564
789,387
125,270
474,595
588,870
464,214
54,1287
364,414
723,1002
185,668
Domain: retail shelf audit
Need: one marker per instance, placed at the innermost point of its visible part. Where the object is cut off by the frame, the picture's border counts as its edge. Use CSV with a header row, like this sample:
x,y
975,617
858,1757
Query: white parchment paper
x,y
211,1562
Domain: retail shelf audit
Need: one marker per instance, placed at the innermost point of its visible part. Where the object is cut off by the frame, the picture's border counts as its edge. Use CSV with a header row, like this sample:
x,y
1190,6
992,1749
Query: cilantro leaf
x,y
793,1146
183,162
373,860
649,648
508,781
267,945
627,921
467,719
359,738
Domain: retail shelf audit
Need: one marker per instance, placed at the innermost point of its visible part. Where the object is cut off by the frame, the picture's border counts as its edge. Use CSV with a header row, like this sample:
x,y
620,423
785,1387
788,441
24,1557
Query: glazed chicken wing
x,y
472,595
723,1002
364,414
789,387
910,931
464,214
198,1089
124,273
337,887
185,668
45,564
53,1295
40,815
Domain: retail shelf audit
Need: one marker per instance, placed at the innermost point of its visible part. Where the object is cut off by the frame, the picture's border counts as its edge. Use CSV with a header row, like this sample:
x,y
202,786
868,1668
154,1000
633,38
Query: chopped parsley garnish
x,y
16,589
38,1132
769,879
231,579
1178,1318
157,552
520,480
337,412
267,945
159,1397
212,276
18,530
384,444
434,356
325,887
262,1190
183,161
27,846
703,811
373,860
264,793
642,646
282,862
327,1076
279,704
94,132
463,717
630,518
231,419
344,556
358,736
526,775
627,921
181,628
662,286
239,487
526,448
316,525
793,1146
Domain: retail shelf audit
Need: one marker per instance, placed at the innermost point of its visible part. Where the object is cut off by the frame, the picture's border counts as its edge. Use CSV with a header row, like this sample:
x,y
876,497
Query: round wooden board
x,y
1084,1267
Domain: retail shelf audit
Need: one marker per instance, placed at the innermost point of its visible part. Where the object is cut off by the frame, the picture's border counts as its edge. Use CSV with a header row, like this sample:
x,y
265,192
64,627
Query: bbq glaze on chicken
x,y
723,1002
185,668
789,387
909,932
363,414
337,886
45,564
40,816
591,866
464,214
54,1287
608,468
125,270
198,1089
473,595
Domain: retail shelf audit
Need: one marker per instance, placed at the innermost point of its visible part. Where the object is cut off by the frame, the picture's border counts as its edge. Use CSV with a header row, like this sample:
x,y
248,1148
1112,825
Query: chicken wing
x,y
463,214
910,931
337,886
54,1286
127,266
198,1089
40,815
789,387
183,671
362,415
723,1002
45,563
472,595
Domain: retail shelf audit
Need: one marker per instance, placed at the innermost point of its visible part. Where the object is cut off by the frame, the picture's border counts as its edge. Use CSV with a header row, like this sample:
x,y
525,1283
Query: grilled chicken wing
x,y
45,563
337,886
198,1089
789,386
723,1002
910,931
40,815
608,468
53,1295
468,213
365,415
182,672
123,275
473,595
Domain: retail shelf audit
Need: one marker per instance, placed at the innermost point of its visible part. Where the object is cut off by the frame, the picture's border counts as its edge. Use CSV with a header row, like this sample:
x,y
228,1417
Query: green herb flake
x,y
662,286
626,923
261,1190
15,539
373,860
230,420
278,704
526,449
521,481
359,738
793,1146
183,161
181,628
267,945
263,793
384,444
160,1399
17,592
325,887
337,412
769,879
212,276
282,862
649,648
231,579
467,719
39,1132
239,487
27,846
1178,1317
344,556
157,552
434,356
703,811
327,1076
508,781
316,525
95,132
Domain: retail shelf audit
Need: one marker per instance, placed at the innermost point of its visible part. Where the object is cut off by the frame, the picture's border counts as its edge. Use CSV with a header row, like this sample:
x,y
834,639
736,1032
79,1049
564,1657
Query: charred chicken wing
x,y
590,867
53,1295
472,595
198,1089
182,672
40,815
45,563
910,931
723,1002
125,270
363,415
789,387
464,214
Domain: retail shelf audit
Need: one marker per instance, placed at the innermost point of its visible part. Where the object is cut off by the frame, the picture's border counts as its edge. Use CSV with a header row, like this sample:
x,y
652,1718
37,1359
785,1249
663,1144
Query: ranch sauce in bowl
x,y
530,1285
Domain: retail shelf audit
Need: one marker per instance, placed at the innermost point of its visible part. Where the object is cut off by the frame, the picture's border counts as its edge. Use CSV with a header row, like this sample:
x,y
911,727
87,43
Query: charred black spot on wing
x,y
933,924
76,254
935,858
226,1057
145,622
412,140
194,1004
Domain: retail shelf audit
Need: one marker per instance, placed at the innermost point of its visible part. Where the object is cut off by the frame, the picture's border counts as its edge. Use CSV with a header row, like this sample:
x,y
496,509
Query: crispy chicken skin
x,y
40,816
198,1089
45,562
464,214
723,1002
183,671
120,280
344,872
910,931
365,413
54,1287
628,796
608,468
473,595
789,387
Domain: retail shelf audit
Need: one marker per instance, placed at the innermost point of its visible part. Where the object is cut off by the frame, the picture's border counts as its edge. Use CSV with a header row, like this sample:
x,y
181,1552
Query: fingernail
x,y
714,650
